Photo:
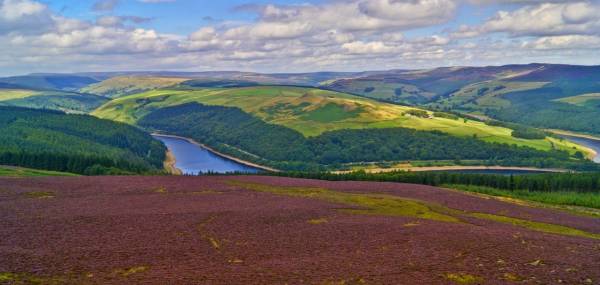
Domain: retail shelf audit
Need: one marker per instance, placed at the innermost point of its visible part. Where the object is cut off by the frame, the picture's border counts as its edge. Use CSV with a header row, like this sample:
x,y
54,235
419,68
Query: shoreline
x,y
443,168
240,161
593,153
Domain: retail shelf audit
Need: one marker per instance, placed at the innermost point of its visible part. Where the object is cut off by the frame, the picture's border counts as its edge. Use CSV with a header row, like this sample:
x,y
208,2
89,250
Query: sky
x,y
292,35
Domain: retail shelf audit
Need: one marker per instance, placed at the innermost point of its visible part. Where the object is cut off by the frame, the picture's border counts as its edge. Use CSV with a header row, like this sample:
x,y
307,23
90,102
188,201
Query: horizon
x,y
132,72
276,36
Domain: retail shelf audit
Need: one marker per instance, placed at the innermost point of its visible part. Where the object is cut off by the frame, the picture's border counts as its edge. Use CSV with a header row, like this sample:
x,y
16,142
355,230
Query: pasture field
x,y
270,230
313,111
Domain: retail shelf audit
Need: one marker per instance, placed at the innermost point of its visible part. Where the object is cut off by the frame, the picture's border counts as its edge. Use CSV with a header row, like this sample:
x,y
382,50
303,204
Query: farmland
x,y
259,230
313,111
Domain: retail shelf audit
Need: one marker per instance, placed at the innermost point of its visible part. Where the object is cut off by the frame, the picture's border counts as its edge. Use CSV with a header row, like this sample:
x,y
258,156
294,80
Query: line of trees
x,y
547,182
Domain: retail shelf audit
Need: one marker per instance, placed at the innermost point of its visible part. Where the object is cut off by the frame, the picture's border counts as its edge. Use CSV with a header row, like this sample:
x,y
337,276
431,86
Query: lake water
x,y
192,158
593,144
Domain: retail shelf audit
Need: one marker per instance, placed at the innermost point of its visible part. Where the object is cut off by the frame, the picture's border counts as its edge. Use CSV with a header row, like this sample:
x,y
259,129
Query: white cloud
x,y
547,19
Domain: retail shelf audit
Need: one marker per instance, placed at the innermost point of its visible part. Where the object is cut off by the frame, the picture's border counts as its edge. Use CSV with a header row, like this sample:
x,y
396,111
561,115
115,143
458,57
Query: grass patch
x,y
318,221
536,226
367,204
130,271
40,194
29,279
388,205
331,113
463,278
7,171
588,200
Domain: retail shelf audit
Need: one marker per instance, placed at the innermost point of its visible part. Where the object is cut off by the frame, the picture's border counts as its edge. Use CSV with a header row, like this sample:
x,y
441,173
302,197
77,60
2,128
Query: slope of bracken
x,y
268,230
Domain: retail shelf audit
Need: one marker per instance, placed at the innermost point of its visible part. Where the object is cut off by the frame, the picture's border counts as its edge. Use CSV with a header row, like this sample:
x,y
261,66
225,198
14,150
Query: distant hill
x,y
50,99
124,85
311,114
66,82
533,94
81,144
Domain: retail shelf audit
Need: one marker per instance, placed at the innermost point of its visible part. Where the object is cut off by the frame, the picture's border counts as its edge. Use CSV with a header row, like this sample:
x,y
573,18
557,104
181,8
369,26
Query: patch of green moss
x,y
368,204
29,279
40,194
318,221
130,271
537,226
463,278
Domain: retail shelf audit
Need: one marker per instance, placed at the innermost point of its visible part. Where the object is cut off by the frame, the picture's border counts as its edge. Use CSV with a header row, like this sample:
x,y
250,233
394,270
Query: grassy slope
x,y
486,94
9,171
302,109
580,100
125,85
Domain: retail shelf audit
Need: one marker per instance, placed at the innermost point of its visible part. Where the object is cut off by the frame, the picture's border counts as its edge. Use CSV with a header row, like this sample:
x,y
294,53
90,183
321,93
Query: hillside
x,y
313,111
268,230
125,85
534,94
67,82
50,99
82,144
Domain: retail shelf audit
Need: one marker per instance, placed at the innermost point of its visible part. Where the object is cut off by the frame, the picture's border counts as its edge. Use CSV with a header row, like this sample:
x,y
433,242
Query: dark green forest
x,y
232,131
80,144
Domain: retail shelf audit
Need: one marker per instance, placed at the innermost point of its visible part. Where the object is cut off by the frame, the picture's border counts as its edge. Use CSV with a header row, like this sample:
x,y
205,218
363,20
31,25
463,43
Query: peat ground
x,y
271,230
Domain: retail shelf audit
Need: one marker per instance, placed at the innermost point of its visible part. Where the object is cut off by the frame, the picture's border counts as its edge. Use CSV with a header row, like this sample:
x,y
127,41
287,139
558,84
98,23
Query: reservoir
x,y
192,159
591,143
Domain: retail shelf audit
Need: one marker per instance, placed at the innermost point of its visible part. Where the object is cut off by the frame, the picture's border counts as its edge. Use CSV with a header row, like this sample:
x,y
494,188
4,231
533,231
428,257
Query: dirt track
x,y
232,230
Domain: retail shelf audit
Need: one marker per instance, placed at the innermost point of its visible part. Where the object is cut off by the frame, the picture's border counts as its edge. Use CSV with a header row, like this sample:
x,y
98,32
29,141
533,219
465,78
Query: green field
x,y
313,111
125,85
9,171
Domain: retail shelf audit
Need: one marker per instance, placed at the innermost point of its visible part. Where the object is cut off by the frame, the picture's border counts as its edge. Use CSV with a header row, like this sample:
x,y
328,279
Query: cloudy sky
x,y
292,35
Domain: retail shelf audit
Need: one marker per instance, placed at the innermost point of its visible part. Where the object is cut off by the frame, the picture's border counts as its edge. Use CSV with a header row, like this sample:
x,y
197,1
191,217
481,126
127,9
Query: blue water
x,y
193,159
593,144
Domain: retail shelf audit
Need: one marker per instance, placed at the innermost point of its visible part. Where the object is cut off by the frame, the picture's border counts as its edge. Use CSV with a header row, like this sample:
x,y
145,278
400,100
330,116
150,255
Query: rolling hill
x,y
68,82
50,99
533,94
83,144
313,111
125,85
307,128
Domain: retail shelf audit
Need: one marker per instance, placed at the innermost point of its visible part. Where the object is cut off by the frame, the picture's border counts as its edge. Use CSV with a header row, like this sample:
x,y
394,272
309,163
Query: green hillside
x,y
532,94
50,99
313,111
232,131
82,144
125,85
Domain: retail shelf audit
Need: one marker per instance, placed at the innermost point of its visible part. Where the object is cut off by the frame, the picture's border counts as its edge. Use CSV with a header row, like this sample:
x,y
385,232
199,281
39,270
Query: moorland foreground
x,y
268,230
